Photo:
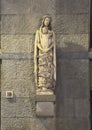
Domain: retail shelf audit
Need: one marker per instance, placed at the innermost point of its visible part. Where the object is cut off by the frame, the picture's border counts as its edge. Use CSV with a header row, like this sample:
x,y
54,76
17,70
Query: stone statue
x,y
45,58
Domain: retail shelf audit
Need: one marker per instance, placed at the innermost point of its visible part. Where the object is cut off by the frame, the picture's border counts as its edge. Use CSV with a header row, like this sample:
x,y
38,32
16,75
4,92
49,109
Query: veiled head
x,y
46,22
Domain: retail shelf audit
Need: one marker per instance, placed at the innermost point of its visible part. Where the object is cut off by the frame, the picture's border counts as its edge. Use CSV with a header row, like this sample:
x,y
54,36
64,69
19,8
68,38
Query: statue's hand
x,y
46,50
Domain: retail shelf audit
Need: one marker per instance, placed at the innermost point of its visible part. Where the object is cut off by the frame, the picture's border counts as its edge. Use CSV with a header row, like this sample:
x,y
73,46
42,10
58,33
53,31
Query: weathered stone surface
x,y
29,6
45,98
18,76
0,31
72,69
65,108
19,69
17,56
60,55
21,87
74,42
25,69
21,24
28,123
17,43
43,6
18,7
8,69
73,124
72,7
0,85
71,24
72,55
25,24
18,123
45,124
70,107
75,80
45,109
34,6
18,107
75,88
82,108
90,54
90,73
57,39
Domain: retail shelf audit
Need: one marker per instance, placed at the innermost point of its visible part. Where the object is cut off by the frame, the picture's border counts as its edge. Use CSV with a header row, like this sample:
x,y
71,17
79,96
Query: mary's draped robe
x,y
45,60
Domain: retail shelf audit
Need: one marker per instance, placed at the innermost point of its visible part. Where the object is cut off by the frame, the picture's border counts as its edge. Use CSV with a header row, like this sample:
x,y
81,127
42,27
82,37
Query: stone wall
x,y
19,21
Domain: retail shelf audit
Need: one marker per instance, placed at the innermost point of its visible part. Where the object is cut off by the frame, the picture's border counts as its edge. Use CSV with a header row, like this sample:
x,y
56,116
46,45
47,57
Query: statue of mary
x,y
45,57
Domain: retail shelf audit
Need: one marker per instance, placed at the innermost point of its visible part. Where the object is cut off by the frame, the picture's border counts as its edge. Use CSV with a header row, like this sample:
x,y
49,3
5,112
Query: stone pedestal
x,y
45,105
45,109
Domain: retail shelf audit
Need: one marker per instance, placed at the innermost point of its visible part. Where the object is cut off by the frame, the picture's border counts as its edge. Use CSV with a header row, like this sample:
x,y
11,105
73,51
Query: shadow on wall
x,y
72,47
61,121
64,60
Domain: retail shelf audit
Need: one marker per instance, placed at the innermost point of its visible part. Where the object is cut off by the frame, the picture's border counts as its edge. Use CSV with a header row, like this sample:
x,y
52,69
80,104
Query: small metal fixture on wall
x,y
9,94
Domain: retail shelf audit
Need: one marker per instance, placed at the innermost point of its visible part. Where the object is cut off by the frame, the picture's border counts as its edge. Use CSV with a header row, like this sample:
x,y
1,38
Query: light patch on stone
x,y
45,109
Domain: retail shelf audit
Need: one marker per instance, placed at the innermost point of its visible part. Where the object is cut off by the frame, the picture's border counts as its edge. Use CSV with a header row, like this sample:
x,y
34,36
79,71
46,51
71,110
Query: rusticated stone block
x,y
65,108
17,43
21,87
90,73
74,42
27,7
21,24
18,7
18,76
8,70
57,40
43,6
72,79
72,24
73,124
34,6
19,69
72,7
73,69
18,123
75,88
25,25
18,107
28,123
45,123
82,108
25,69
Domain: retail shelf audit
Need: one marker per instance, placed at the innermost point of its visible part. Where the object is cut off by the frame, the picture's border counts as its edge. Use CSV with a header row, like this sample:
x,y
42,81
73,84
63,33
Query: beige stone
x,y
72,7
82,108
74,42
21,24
17,107
21,87
45,57
18,7
45,109
17,43
71,24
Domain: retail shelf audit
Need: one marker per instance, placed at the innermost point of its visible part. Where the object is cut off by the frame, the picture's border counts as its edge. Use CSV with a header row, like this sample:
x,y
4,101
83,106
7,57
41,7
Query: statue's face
x,y
46,21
